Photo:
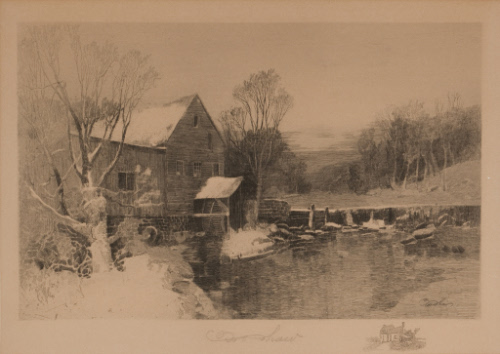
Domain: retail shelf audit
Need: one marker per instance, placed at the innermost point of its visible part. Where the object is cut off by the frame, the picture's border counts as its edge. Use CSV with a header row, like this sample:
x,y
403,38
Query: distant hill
x,y
463,183
316,160
463,179
339,152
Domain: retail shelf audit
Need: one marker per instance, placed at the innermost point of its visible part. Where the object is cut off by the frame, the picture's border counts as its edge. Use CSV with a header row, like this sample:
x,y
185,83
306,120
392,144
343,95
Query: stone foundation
x,y
166,225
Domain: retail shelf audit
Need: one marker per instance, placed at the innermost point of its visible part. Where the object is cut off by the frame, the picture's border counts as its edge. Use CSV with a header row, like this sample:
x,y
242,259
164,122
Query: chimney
x,y
403,326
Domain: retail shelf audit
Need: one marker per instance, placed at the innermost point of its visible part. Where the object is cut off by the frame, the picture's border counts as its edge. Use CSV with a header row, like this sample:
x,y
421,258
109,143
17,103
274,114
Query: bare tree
x,y
252,126
415,115
445,123
98,94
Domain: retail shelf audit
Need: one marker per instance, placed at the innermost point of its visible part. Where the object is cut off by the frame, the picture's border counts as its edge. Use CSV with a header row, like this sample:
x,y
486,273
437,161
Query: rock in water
x,y
421,226
330,226
408,240
273,228
282,225
424,233
285,233
306,237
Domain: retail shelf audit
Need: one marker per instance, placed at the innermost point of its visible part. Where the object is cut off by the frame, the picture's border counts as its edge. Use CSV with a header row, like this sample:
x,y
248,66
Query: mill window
x,y
179,169
126,181
216,169
197,169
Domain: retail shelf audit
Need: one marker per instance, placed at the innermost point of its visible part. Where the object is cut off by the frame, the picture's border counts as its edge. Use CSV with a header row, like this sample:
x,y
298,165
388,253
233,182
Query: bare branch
x,y
65,218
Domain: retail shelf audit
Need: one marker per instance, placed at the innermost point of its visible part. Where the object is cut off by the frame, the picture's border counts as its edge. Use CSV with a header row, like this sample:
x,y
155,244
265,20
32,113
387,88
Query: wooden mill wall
x,y
148,167
190,144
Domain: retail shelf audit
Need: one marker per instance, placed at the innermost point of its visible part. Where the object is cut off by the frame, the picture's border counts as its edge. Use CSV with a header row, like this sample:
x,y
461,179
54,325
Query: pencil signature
x,y
442,302
227,336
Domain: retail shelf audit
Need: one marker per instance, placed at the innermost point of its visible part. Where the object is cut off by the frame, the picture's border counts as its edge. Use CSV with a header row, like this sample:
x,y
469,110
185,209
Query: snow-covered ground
x,y
148,288
247,243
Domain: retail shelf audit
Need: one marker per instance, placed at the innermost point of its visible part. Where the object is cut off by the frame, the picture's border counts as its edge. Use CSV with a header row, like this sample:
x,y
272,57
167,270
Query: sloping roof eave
x,y
219,187
152,126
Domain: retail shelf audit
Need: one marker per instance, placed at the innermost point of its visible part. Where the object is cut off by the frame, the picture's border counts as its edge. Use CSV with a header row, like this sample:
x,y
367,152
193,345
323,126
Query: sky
x,y
340,75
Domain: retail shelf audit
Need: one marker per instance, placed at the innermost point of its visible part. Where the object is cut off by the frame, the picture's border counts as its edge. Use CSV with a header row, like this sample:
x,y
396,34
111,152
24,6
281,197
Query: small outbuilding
x,y
218,206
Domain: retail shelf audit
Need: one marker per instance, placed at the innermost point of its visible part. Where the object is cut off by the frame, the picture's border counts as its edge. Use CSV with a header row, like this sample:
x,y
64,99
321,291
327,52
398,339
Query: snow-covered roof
x,y
151,126
219,187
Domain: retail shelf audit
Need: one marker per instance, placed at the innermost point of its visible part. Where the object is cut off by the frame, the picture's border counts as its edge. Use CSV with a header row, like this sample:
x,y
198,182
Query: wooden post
x,y
228,226
327,212
311,217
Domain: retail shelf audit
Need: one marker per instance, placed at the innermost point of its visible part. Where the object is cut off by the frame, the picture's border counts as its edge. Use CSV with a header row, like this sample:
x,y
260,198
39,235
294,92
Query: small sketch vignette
x,y
395,338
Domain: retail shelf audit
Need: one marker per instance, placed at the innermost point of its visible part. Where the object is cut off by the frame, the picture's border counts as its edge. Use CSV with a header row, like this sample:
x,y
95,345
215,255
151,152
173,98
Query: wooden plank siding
x,y
190,144
134,159
187,143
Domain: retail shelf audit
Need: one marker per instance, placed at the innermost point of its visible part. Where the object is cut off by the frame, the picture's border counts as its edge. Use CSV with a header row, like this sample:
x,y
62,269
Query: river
x,y
354,276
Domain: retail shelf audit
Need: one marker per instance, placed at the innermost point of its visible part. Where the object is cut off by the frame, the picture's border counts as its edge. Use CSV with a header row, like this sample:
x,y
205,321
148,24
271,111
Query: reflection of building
x,y
390,333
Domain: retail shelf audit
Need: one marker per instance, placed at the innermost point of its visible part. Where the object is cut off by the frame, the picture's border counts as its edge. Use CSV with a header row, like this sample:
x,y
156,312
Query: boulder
x,y
284,232
432,189
402,218
422,226
330,226
424,233
306,237
283,225
408,240
181,286
273,228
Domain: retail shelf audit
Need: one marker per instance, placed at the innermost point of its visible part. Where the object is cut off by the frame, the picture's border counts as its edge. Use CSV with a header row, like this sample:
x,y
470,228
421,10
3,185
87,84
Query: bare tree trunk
x,y
451,154
425,180
258,195
443,172
57,175
433,163
95,210
393,179
60,192
416,172
406,174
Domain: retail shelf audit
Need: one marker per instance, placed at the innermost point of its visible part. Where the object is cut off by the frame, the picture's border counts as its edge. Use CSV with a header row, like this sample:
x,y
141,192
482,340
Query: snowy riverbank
x,y
155,284
249,243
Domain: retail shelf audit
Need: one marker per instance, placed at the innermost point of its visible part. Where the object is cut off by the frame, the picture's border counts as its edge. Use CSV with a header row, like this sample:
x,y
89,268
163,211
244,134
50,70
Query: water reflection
x,y
352,277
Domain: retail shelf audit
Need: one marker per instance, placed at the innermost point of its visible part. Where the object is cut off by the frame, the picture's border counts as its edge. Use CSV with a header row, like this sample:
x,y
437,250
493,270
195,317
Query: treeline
x,y
407,144
285,173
